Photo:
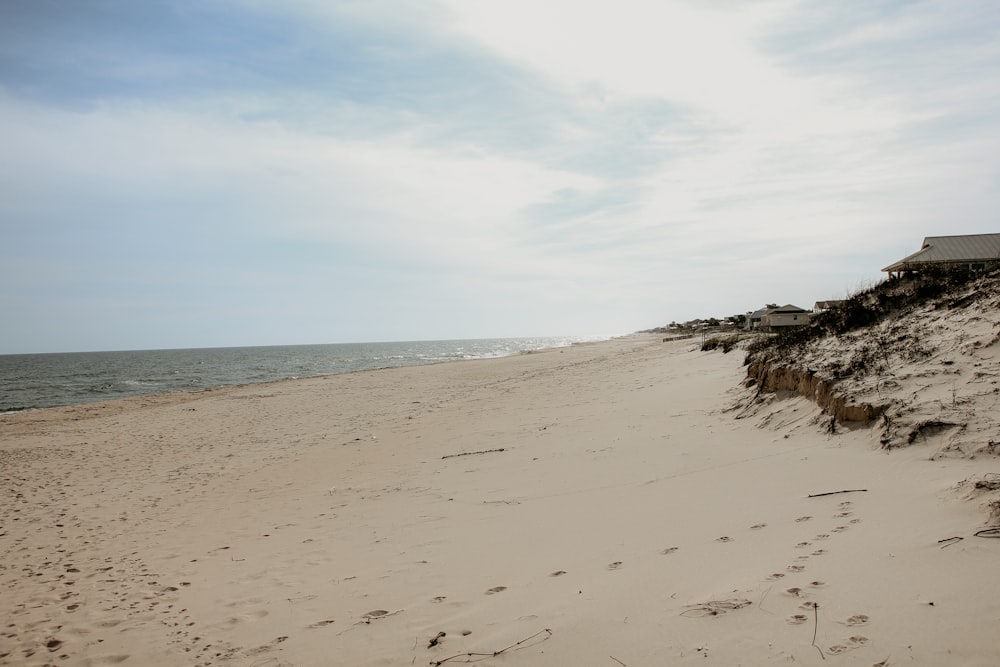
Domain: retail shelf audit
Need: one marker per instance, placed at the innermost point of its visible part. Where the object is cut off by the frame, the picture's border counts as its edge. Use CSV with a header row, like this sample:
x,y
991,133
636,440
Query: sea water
x,y
47,380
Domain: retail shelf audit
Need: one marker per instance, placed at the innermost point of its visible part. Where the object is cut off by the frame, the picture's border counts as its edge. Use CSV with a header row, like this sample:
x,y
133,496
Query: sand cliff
x,y
927,371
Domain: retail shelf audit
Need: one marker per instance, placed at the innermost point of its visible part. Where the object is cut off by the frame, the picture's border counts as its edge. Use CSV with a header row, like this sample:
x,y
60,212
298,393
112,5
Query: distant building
x,y
974,252
773,317
826,305
754,319
785,316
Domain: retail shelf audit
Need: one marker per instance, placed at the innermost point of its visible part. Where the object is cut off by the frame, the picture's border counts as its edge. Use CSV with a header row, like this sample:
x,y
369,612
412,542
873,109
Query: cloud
x,y
474,167
634,48
193,205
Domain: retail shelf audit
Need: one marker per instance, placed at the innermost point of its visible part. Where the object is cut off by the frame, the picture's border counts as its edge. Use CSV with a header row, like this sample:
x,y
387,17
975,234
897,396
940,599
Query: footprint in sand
x,y
817,584
802,518
795,568
795,592
496,589
615,566
266,647
439,598
803,545
774,577
819,552
843,515
855,521
724,538
852,643
558,573
839,529
808,605
797,619
821,536
758,526
669,550
321,624
857,619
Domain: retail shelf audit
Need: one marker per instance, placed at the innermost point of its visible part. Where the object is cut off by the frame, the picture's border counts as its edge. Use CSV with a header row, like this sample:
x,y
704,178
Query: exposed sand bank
x,y
630,519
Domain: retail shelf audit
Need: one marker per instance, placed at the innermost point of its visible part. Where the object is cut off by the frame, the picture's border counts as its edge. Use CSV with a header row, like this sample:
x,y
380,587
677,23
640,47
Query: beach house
x,y
785,316
773,317
974,252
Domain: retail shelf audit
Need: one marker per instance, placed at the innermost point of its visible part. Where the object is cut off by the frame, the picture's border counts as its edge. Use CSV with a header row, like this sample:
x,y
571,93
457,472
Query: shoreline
x,y
94,377
604,493
125,403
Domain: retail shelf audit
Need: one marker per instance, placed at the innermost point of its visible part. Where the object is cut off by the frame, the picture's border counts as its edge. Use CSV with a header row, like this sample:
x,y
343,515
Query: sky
x,y
182,173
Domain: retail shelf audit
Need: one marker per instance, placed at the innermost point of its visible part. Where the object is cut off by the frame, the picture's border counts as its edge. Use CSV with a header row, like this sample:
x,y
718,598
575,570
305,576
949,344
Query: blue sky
x,y
245,172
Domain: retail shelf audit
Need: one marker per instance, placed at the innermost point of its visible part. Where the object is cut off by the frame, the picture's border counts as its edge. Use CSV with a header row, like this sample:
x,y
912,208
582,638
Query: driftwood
x,y
377,615
816,629
833,493
485,451
512,647
948,541
932,425
715,607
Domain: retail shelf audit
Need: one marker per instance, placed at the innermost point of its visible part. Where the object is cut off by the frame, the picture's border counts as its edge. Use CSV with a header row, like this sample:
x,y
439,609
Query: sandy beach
x,y
593,505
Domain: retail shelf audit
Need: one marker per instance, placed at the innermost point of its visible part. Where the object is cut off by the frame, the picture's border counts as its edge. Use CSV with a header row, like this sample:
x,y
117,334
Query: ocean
x,y
48,380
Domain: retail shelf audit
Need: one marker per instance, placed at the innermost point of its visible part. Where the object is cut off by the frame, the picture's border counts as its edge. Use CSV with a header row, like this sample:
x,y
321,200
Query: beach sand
x,y
600,504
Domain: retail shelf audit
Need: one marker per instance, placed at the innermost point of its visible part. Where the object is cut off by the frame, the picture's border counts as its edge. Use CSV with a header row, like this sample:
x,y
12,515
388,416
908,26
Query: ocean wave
x,y
48,380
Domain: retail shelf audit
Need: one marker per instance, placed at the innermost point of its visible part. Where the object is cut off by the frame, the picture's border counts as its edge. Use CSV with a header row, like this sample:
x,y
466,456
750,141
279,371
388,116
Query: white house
x,y
826,305
785,316
773,317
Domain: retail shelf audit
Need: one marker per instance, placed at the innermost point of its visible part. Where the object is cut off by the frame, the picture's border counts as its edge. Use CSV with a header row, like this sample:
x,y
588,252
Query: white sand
x,y
259,525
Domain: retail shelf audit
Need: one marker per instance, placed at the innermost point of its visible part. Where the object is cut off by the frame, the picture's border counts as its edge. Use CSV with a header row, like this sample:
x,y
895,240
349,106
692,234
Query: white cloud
x,y
703,59
389,195
625,162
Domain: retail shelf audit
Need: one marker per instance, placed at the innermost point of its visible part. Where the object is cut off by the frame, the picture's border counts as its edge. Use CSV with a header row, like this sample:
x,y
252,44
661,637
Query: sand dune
x,y
594,505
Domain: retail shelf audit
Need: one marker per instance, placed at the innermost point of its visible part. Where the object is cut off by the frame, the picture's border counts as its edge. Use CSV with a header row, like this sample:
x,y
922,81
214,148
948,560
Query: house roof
x,y
787,308
949,249
771,309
